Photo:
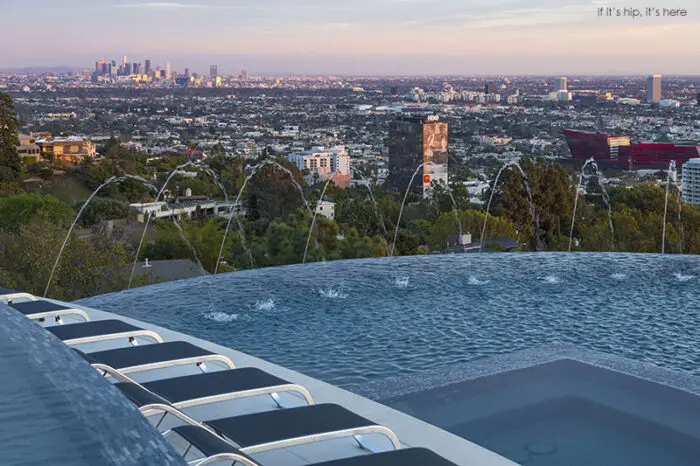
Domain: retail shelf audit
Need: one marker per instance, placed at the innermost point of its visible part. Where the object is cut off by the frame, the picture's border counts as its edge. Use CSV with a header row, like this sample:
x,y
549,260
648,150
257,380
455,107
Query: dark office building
x,y
490,88
147,67
396,90
414,140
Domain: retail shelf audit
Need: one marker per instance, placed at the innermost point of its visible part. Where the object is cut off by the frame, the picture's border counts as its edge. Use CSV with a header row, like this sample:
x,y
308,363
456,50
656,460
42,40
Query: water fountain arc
x,y
670,174
606,199
528,190
107,182
380,217
313,219
254,170
403,203
178,169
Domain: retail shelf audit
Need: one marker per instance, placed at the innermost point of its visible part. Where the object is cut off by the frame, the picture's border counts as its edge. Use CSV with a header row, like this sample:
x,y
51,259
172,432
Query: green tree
x,y
206,238
10,162
101,209
168,245
16,211
87,267
553,199
271,193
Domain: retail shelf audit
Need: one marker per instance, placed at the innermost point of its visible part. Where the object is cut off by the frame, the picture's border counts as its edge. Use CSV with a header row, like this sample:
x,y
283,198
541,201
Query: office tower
x,y
414,140
100,66
187,72
167,71
244,75
654,88
213,71
562,83
147,67
124,61
136,68
128,69
490,88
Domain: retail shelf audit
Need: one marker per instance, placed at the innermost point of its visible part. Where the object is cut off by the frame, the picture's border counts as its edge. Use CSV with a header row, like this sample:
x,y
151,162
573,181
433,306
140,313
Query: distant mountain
x,y
42,69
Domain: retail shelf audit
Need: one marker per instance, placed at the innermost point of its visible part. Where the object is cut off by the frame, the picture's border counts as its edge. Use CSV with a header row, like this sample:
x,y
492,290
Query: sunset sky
x,y
355,36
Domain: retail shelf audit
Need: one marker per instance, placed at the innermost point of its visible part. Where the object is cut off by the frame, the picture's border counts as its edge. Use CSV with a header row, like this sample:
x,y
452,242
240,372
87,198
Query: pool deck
x,y
411,431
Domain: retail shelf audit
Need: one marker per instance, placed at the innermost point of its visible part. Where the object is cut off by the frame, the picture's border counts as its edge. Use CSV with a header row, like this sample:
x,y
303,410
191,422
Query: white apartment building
x,y
323,161
691,182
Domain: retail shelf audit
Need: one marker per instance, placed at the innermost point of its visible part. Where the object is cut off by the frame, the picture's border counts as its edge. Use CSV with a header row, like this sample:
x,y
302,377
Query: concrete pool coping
x,y
411,431
498,364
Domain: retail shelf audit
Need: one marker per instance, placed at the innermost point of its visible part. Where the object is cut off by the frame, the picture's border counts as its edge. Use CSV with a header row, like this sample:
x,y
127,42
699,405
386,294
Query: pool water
x,y
572,431
352,323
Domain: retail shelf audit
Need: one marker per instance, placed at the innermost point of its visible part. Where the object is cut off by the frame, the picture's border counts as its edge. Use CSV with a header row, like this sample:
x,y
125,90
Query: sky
x,y
360,37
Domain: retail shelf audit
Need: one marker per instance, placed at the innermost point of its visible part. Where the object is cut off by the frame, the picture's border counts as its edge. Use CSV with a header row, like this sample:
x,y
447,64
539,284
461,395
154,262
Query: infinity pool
x,y
353,323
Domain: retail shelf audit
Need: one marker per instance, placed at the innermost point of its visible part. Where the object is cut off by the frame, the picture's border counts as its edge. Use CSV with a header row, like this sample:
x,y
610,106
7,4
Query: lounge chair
x,y
254,433
101,330
7,295
214,449
41,310
404,457
211,446
150,357
211,387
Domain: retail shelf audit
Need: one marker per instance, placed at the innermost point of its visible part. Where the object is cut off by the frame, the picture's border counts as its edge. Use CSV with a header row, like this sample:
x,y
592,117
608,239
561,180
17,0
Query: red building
x,y
656,155
617,151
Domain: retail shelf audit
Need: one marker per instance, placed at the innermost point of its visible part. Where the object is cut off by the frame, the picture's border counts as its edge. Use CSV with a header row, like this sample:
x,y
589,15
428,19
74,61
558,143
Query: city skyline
x,y
409,37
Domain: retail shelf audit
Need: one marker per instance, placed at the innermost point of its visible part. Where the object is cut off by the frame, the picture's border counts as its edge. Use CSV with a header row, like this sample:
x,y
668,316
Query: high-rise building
x,y
100,66
187,72
124,61
490,88
147,67
562,83
414,140
654,88
698,98
136,68
167,71
244,75
691,182
213,71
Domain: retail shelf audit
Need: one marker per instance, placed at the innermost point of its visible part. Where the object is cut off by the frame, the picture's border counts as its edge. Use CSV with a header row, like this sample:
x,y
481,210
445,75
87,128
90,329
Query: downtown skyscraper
x,y
654,88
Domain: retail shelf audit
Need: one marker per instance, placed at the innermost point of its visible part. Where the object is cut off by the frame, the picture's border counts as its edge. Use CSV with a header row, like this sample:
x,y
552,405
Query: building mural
x,y
435,149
